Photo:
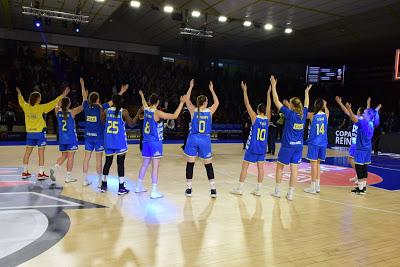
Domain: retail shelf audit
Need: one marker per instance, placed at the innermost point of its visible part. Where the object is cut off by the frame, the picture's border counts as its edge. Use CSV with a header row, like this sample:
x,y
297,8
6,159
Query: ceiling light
x,y
196,13
288,30
99,1
247,23
135,4
222,19
268,26
168,9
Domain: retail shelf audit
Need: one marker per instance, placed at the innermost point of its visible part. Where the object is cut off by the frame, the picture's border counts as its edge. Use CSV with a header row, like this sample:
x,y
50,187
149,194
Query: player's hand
x,y
369,101
82,81
211,86
379,107
308,88
338,99
124,88
191,84
324,102
244,86
348,105
18,90
183,99
141,93
273,81
66,91
286,103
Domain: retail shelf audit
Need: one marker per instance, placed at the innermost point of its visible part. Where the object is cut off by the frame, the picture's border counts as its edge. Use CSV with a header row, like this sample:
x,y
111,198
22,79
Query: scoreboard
x,y
317,74
397,66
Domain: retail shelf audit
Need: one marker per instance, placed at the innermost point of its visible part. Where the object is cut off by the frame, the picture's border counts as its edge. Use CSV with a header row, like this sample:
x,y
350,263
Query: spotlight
x,y
288,30
247,23
135,4
268,26
77,27
38,22
196,13
222,19
168,9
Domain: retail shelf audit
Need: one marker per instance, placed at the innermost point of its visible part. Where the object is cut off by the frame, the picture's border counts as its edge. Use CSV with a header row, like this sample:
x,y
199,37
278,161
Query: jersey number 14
x,y
320,129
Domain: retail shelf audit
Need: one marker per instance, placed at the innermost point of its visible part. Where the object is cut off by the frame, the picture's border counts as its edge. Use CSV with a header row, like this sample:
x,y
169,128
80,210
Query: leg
x,y
59,162
142,173
121,174
70,165
293,180
99,166
155,163
210,176
189,175
360,169
260,178
86,160
25,161
314,176
106,171
41,159
243,173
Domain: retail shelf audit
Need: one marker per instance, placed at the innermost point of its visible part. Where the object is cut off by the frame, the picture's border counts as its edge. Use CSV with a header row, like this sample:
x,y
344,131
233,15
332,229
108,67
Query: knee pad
x,y
189,170
210,171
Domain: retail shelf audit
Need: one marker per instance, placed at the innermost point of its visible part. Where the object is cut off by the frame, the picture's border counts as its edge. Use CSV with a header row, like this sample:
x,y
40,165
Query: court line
x,y
66,202
374,166
321,199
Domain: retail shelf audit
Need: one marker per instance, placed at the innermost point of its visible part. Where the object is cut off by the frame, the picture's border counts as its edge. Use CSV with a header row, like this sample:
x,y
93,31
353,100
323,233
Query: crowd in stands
x,y
49,73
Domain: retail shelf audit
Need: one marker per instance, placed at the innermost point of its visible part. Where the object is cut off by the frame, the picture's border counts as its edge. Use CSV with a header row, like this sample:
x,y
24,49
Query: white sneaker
x,y
70,180
310,190
140,189
236,191
256,192
52,177
318,189
276,194
86,183
155,194
289,196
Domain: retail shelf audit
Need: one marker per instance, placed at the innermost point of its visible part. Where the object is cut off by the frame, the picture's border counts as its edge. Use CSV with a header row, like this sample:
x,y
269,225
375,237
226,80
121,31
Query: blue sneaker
x,y
122,189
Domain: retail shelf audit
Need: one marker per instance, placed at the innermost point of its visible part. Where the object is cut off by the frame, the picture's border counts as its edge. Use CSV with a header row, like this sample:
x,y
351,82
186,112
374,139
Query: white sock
x,y
25,167
104,178
41,169
360,185
277,188
189,184
212,184
121,180
86,176
312,185
99,176
364,184
240,185
139,183
291,190
154,188
258,186
317,182
56,166
68,174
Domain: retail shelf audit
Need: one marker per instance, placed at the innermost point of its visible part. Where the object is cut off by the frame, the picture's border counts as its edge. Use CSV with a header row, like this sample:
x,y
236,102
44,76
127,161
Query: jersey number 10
x,y
261,134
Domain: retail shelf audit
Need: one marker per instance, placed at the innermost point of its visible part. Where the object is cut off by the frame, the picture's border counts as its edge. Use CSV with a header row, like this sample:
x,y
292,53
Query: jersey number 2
x,y
64,125
112,127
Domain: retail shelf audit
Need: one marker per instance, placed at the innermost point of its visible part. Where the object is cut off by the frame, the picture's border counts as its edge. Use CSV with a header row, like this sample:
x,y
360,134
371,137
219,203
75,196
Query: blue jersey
x,y
114,131
354,132
152,130
318,133
293,131
257,141
94,127
201,122
66,129
364,134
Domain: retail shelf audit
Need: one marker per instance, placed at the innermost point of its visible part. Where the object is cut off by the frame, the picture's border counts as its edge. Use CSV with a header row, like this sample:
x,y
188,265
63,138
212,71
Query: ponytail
x,y
65,103
297,106
117,103
200,101
93,98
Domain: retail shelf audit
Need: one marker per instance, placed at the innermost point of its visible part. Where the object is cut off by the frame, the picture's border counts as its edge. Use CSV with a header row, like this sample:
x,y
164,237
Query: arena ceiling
x,y
320,27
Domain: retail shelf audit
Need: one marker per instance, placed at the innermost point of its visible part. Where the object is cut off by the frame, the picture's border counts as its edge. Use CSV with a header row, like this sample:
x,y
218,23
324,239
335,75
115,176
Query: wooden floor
x,y
334,228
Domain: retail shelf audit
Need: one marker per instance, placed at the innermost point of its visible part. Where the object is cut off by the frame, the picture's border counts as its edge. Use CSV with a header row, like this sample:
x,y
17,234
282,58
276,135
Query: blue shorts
x,y
68,147
94,144
36,139
198,145
290,155
253,158
362,157
152,149
352,150
113,151
315,153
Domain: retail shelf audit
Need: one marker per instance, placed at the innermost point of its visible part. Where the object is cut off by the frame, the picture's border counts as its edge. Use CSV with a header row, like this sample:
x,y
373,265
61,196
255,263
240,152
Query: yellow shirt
x,y
34,122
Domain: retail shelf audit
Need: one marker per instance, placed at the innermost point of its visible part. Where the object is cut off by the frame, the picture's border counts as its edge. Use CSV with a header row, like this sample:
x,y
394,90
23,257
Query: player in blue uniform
x,y
256,146
199,139
352,148
115,142
152,150
94,130
317,143
67,139
362,157
292,138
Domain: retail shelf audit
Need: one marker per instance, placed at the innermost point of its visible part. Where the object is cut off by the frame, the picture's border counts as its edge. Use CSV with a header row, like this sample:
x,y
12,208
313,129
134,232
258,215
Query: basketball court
x,y
71,225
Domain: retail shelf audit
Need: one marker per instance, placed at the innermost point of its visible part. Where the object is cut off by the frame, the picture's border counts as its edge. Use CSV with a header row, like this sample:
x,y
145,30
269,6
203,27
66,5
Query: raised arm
x,y
52,104
127,118
83,89
249,109
123,90
339,101
286,103
215,105
76,111
269,103
325,105
171,116
21,100
307,96
189,103
353,117
369,102
275,96
144,103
